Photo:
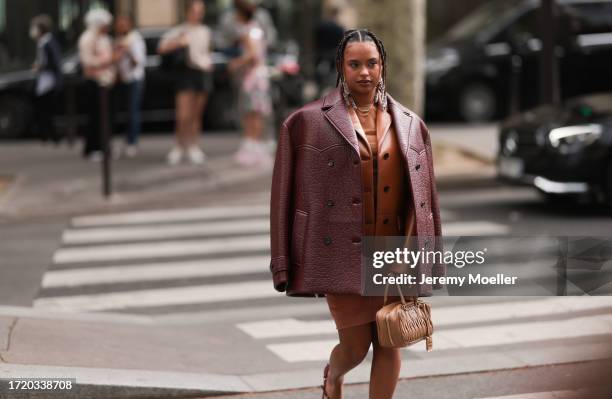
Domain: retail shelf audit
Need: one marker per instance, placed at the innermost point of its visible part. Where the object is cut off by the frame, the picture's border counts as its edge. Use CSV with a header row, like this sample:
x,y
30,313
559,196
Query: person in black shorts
x,y
193,81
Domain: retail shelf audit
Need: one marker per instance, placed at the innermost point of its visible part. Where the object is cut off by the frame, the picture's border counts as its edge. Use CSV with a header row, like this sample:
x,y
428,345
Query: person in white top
x,y
254,100
193,81
98,66
131,67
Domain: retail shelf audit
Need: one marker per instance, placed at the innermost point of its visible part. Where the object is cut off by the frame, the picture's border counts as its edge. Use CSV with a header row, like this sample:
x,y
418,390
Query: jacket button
x,y
330,203
418,166
426,243
356,240
356,201
422,204
330,163
386,156
386,189
327,240
356,162
385,221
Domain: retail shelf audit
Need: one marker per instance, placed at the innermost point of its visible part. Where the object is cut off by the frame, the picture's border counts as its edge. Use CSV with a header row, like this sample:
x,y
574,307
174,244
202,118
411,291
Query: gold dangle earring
x,y
381,97
347,94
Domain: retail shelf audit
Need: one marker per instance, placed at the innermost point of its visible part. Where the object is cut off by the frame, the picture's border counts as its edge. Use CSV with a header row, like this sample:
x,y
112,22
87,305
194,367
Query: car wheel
x,y
477,103
14,117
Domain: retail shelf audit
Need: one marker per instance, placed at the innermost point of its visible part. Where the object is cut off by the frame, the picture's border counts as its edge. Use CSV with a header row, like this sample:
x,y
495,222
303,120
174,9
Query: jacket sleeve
x,y
438,269
280,210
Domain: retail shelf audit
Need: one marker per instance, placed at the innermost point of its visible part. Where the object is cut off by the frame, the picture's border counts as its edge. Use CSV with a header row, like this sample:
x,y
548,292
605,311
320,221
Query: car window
x,y
588,18
525,27
487,18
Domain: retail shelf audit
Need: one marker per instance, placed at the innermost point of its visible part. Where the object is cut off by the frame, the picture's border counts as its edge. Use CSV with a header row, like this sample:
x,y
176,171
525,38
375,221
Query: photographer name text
x,y
498,279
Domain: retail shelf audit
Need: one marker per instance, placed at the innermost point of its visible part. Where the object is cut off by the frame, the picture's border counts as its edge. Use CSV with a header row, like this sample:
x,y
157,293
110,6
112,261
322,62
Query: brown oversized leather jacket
x,y
317,199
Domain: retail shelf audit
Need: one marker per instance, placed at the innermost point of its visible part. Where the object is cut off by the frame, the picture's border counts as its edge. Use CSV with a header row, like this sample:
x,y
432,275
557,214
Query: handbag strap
x,y
398,289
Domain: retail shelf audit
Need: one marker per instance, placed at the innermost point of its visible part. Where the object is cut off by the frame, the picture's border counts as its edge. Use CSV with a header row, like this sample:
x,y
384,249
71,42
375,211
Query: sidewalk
x,y
38,180
57,181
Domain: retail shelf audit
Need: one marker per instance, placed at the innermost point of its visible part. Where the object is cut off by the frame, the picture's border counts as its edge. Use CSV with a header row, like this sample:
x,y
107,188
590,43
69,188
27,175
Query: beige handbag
x,y
404,323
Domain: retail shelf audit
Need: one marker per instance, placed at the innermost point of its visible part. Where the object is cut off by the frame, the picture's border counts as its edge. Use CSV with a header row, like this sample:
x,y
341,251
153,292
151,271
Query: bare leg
x,y
183,111
349,353
253,125
199,102
386,364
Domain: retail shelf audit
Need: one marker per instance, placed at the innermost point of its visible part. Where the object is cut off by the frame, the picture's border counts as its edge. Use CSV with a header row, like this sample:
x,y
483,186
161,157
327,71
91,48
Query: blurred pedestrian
x,y
254,101
97,63
49,77
194,81
132,53
328,34
229,33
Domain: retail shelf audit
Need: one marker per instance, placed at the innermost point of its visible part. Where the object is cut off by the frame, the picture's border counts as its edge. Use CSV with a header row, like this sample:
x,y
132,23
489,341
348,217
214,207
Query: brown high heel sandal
x,y
325,395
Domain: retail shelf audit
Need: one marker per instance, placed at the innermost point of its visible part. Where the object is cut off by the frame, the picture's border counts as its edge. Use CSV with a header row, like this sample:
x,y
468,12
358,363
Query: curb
x,y
104,383
94,383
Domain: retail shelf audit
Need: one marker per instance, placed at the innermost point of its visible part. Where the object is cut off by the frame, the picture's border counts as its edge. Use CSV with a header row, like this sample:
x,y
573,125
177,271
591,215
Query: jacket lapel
x,y
336,113
383,123
402,122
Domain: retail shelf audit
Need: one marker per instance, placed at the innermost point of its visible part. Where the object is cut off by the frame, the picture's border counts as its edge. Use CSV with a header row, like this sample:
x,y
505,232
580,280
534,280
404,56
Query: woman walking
x,y
98,62
254,100
193,81
355,163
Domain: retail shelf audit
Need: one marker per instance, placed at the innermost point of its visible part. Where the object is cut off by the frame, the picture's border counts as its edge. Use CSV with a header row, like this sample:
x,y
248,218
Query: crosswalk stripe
x,y
171,215
244,226
162,249
472,337
200,294
473,228
155,271
168,231
442,317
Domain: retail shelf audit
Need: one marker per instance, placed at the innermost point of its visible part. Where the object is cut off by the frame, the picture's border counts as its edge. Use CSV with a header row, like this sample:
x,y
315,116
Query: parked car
x,y
469,70
564,150
158,103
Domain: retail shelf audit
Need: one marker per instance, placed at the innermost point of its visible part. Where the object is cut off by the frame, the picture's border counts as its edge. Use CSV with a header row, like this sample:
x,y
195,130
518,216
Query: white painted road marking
x,y
166,231
171,215
155,271
162,249
442,317
161,297
471,337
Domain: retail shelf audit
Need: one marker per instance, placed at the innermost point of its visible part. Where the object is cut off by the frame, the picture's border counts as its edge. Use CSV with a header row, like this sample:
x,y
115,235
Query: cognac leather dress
x,y
385,196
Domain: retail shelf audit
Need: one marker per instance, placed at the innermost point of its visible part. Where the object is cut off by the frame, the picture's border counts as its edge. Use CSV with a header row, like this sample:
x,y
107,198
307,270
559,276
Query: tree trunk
x,y
401,26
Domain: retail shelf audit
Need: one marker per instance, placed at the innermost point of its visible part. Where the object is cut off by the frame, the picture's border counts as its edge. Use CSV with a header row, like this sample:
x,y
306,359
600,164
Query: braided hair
x,y
361,35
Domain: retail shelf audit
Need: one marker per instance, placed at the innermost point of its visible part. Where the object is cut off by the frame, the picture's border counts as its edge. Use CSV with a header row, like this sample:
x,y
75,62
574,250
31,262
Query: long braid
x,y
359,35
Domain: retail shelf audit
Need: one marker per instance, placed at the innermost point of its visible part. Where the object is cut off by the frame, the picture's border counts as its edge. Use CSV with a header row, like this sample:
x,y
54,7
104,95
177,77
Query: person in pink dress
x,y
254,101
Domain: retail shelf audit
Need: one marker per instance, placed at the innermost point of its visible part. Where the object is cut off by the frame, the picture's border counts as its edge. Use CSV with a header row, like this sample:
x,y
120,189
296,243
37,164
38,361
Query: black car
x,y
564,150
469,71
158,103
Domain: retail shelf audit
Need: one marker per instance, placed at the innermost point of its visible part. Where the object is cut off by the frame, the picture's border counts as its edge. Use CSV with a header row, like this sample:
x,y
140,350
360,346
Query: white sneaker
x,y
246,155
130,151
175,156
271,146
263,157
95,156
195,155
